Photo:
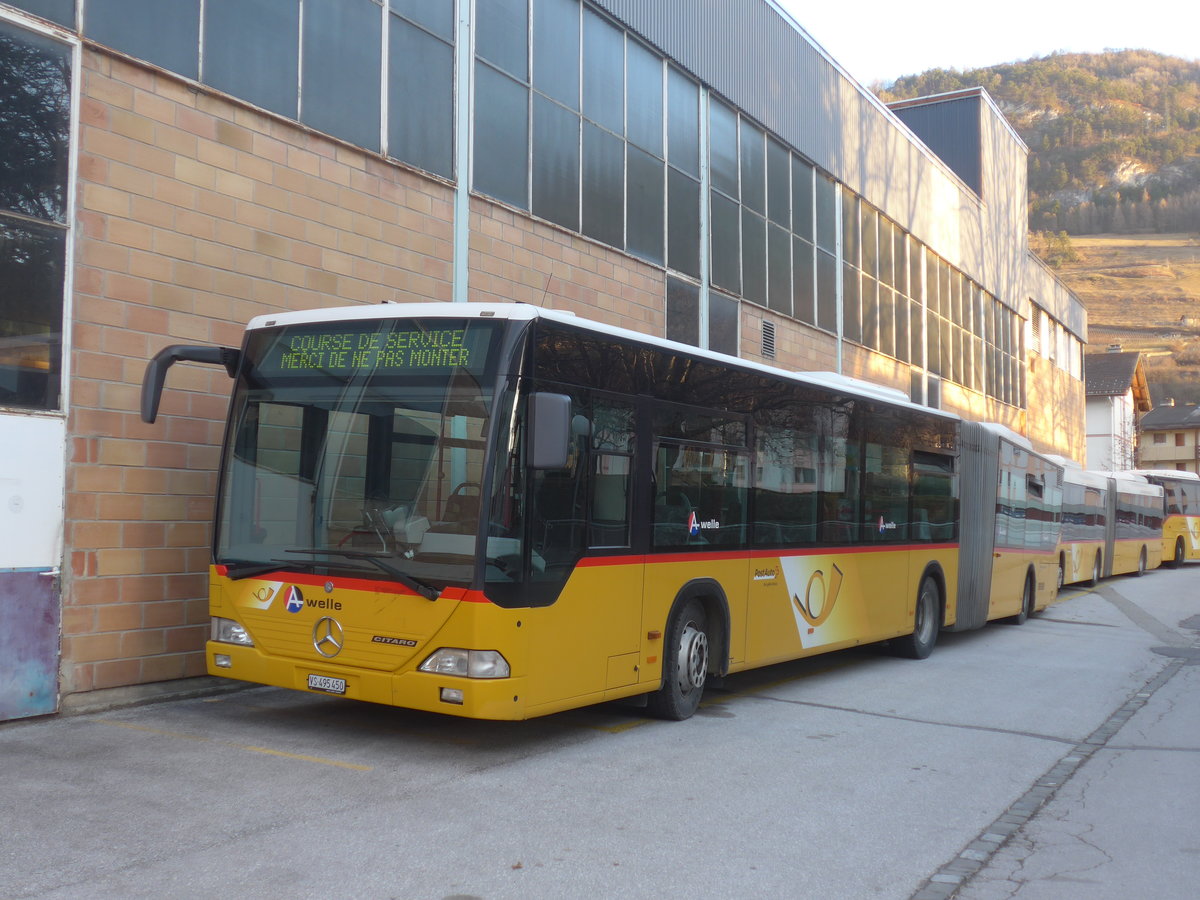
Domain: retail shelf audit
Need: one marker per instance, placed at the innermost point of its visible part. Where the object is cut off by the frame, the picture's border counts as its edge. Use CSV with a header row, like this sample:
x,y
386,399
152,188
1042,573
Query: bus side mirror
x,y
550,430
156,370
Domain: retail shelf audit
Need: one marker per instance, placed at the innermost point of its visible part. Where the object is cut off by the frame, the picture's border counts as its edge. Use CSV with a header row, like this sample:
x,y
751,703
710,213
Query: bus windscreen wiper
x,y
249,569
428,591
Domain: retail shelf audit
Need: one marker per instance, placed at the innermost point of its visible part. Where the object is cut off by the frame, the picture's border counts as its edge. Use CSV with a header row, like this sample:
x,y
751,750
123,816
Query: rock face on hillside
x,y
1114,137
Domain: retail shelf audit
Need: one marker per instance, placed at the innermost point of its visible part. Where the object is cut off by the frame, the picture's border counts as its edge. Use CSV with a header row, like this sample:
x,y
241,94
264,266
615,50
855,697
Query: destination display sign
x,y
394,347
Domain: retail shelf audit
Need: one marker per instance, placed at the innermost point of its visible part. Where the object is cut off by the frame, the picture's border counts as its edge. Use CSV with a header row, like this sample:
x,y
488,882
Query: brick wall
x,y
194,214
517,259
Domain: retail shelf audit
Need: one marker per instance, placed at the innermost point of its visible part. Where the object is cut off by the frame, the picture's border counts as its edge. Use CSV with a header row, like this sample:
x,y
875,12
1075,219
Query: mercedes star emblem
x,y
328,637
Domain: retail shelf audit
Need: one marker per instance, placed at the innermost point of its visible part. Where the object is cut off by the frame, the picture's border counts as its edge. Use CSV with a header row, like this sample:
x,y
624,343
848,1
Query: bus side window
x,y
933,497
613,442
609,525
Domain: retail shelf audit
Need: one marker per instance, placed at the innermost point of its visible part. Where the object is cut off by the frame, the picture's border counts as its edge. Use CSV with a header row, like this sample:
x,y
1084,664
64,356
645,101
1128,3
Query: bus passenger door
x,y
590,626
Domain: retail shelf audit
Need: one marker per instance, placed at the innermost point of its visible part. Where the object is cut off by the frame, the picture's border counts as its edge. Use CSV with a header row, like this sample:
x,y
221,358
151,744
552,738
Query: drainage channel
x,y
952,876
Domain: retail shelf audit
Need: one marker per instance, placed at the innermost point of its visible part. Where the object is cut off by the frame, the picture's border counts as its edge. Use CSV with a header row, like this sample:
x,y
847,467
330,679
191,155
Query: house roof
x,y
1111,374
1178,418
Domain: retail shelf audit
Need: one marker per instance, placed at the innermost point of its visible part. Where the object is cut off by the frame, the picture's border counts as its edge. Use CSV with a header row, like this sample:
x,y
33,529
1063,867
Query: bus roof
x,y
1166,474
1074,474
1136,483
527,312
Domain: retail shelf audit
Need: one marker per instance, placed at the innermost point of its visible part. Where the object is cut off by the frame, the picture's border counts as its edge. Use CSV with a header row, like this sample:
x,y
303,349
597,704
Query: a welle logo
x,y
297,602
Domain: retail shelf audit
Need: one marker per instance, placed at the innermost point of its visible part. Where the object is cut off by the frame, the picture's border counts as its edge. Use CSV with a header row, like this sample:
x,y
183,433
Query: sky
x,y
882,40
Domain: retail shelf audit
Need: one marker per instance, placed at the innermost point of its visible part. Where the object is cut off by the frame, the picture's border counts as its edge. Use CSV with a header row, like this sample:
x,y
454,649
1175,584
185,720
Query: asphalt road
x,y
1058,759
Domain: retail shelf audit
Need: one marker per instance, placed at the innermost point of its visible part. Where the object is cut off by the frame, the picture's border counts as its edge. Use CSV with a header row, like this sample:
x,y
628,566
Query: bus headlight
x,y
228,631
466,663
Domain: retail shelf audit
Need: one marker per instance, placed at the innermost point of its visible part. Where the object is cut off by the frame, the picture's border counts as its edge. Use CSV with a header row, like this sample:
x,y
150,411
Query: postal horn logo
x,y
819,597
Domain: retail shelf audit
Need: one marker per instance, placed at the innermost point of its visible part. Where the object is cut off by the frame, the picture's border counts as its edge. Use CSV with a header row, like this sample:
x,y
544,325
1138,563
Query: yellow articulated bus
x,y
1112,525
496,511
1181,513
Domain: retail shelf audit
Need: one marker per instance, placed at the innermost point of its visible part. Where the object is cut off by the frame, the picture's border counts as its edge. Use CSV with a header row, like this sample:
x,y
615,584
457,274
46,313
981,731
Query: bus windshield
x,y
358,449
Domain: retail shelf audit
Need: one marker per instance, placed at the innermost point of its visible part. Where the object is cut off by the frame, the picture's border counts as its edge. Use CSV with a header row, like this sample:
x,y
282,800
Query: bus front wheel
x,y
685,664
919,644
1180,553
1097,572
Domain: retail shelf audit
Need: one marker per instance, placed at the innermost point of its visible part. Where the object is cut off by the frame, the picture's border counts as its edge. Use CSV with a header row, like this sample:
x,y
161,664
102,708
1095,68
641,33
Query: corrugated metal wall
x,y
951,129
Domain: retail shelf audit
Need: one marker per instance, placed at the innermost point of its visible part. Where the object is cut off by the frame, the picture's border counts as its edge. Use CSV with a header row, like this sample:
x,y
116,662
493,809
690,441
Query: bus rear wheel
x,y
1141,569
685,665
1027,602
919,644
1097,572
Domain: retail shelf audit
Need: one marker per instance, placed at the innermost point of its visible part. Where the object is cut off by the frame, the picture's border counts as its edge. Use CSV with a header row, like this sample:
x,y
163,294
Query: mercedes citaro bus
x,y
499,511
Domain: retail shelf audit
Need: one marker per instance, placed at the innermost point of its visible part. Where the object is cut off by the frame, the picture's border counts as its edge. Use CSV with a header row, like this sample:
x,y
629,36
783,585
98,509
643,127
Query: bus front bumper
x,y
475,698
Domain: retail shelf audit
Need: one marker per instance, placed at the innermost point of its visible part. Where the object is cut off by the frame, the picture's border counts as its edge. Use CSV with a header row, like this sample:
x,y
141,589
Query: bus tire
x,y
685,664
1141,569
1062,572
1028,597
1097,571
919,644
1180,553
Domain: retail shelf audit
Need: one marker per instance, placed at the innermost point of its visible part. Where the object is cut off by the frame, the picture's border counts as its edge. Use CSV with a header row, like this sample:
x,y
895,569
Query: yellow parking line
x,y
315,759
265,750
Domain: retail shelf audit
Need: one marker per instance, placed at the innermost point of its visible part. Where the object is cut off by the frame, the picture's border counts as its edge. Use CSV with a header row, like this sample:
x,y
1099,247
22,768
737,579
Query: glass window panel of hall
x,y
603,186
556,50
683,123
754,168
35,124
341,62
555,163
802,199
726,249
754,257
850,229
870,240
827,306
166,34
31,307
60,11
435,15
603,72
644,98
35,95
683,223
826,215
887,273
501,136
420,98
779,205
722,323
683,312
252,51
803,276
502,35
644,205
779,269
722,147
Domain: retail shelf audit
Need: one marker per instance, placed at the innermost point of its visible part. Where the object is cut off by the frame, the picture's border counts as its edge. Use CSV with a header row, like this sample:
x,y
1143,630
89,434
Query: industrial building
x,y
693,169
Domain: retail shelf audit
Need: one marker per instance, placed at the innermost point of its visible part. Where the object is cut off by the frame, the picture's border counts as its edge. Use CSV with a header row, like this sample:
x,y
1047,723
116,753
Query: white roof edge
x,y
1166,473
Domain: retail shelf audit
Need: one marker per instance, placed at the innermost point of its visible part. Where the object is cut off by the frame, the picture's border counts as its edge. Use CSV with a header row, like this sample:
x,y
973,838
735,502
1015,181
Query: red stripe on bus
x,y
716,556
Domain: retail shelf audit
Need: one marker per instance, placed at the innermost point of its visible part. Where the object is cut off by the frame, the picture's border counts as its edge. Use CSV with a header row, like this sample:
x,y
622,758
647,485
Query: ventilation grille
x,y
768,339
